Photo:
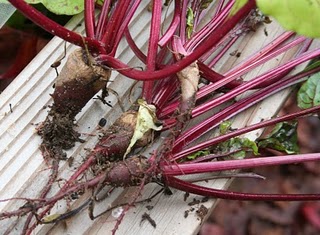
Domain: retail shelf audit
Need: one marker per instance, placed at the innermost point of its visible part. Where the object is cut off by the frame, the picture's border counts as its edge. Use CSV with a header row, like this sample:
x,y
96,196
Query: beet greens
x,y
179,80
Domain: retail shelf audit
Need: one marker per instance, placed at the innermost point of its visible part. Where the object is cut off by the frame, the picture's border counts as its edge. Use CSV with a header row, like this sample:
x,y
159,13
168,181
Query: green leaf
x,y
242,145
314,63
237,6
27,1
34,1
301,16
64,7
224,127
309,93
59,7
282,138
198,154
99,2
246,143
190,17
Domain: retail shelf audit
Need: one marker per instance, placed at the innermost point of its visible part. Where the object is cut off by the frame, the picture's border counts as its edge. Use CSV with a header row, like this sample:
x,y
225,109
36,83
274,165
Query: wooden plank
x,y
23,172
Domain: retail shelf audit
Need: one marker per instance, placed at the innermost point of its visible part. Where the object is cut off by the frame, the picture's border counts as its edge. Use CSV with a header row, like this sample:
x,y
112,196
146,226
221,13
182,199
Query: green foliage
x,y
99,2
239,145
314,63
34,1
198,154
282,138
64,7
224,127
59,7
301,16
309,93
190,17
20,22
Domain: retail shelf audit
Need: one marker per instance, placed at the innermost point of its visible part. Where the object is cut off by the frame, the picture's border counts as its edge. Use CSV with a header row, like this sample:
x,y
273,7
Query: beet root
x,y
77,83
115,141
130,172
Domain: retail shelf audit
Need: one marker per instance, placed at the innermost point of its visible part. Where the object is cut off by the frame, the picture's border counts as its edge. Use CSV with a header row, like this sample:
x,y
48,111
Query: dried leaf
x,y
146,120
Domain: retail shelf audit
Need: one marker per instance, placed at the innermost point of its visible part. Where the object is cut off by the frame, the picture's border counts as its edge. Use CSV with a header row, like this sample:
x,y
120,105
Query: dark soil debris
x,y
205,199
186,213
149,207
58,134
194,202
147,217
167,192
186,195
102,122
202,212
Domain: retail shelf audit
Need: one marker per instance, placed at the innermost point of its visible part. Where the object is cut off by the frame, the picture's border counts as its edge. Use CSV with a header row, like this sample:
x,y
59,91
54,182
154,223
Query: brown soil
x,y
58,134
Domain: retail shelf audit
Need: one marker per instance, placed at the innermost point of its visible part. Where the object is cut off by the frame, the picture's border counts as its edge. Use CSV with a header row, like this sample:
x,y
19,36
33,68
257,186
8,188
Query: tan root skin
x,y
128,121
79,80
114,143
130,172
189,79
82,72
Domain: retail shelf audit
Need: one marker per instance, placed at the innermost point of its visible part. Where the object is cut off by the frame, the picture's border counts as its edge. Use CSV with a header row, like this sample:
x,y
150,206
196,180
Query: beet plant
x,y
179,86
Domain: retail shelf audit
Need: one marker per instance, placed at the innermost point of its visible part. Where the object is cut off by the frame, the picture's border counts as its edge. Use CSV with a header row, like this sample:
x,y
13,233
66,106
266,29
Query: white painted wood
x,y
23,171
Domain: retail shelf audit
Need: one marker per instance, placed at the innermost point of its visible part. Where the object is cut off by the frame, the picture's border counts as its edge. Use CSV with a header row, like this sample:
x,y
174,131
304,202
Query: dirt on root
x,y
58,134
77,83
